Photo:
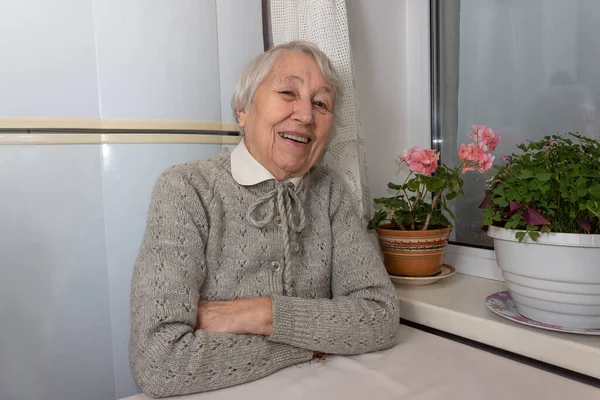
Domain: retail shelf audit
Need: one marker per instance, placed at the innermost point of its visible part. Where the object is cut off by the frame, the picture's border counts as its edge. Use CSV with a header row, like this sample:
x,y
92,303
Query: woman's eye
x,y
287,93
320,104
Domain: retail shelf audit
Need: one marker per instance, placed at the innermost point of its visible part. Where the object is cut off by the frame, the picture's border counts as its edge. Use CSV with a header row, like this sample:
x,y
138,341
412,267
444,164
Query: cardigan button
x,y
277,220
275,266
294,247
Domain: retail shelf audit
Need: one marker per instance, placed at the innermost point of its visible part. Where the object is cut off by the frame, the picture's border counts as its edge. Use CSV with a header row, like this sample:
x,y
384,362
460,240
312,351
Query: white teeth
x,y
294,137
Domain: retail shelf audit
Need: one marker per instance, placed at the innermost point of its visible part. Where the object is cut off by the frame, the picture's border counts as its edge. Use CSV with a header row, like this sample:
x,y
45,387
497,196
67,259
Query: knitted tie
x,y
284,199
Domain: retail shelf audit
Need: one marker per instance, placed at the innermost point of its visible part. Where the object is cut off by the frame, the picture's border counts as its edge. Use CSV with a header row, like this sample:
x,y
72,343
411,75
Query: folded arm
x,y
168,356
362,315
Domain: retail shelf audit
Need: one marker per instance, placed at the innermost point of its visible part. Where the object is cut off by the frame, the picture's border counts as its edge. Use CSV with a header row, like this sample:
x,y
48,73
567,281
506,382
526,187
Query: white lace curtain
x,y
324,22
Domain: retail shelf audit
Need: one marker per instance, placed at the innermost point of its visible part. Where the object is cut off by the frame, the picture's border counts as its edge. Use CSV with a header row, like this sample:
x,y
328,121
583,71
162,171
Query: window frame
x,y
420,20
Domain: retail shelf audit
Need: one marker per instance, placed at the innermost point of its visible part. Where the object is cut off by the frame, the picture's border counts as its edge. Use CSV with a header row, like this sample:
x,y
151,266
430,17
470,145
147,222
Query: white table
x,y
421,366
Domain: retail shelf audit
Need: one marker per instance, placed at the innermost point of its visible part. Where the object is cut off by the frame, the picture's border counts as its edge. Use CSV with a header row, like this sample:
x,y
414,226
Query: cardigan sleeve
x,y
362,315
167,356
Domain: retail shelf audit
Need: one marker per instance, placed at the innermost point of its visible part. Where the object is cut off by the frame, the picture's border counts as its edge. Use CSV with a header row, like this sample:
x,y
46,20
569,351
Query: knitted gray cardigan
x,y
207,237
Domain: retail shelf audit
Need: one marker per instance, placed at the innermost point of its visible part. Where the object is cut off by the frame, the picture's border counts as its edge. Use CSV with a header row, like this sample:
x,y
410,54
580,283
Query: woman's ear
x,y
242,115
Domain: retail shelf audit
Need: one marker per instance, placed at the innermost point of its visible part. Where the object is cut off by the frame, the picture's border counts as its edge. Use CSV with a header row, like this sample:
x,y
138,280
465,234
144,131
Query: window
x,y
526,68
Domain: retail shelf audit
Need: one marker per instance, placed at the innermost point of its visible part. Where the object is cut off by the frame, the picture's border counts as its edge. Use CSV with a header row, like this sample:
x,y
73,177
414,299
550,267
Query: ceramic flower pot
x,y
413,253
555,280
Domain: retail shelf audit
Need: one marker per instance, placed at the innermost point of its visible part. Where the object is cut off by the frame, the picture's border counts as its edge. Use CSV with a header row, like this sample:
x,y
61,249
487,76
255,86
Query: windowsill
x,y
457,305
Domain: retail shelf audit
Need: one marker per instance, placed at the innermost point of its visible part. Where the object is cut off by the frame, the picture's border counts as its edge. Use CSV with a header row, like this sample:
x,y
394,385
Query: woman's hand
x,y
253,316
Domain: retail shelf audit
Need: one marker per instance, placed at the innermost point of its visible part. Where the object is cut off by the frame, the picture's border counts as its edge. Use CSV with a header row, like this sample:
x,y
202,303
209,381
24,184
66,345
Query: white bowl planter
x,y
555,280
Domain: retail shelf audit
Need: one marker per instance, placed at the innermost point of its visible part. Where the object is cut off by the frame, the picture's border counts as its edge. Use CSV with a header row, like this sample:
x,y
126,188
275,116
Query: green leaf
x,y
511,225
499,201
451,195
534,235
594,191
378,217
488,212
581,182
526,174
574,197
403,218
520,236
499,190
434,184
574,172
543,176
394,186
533,185
413,184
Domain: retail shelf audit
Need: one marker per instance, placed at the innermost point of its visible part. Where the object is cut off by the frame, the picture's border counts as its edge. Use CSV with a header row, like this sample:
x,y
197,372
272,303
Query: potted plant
x,y
542,208
413,225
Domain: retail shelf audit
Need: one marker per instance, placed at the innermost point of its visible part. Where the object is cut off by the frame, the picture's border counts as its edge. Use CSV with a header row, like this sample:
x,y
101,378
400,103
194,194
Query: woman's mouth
x,y
295,137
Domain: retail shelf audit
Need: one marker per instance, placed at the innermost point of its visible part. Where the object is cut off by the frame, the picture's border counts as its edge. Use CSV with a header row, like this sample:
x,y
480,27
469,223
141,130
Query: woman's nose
x,y
303,111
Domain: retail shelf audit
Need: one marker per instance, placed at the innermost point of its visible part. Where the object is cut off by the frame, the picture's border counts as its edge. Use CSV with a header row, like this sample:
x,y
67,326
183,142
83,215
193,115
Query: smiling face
x,y
286,128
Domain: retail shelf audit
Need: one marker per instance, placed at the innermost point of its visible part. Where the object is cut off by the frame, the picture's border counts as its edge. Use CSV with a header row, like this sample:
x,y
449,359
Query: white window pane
x,y
526,68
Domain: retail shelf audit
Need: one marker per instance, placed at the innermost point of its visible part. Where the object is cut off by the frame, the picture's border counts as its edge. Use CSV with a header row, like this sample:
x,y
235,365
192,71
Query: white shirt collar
x,y
247,171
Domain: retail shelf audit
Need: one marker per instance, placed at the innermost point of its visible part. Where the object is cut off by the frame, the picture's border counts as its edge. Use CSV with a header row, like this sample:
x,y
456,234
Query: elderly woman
x,y
255,260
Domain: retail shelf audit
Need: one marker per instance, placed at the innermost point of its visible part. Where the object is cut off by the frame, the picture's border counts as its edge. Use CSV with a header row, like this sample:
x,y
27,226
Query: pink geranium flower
x,y
422,161
474,157
482,134
464,153
551,143
420,187
490,140
485,162
466,168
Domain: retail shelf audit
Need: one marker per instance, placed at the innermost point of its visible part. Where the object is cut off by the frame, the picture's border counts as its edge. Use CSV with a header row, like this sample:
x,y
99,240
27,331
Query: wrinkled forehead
x,y
299,68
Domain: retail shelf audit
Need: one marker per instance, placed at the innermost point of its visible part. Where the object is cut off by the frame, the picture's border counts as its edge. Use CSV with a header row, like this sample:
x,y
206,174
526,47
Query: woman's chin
x,y
293,168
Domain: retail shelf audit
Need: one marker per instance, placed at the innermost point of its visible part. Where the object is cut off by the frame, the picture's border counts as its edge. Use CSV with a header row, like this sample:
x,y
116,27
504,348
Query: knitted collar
x,y
247,171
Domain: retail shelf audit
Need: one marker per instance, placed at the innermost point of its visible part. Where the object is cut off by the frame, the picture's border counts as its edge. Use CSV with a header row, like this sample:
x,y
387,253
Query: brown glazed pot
x,y
413,253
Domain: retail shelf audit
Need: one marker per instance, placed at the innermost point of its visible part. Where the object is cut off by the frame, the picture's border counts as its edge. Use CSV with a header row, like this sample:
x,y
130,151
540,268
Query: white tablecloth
x,y
420,367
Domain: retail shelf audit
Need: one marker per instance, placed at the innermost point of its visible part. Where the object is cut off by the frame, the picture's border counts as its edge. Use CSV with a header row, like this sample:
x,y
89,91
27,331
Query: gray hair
x,y
258,69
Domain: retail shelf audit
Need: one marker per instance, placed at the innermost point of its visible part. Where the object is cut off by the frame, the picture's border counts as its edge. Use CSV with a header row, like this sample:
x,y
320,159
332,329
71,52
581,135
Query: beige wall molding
x,y
113,138
114,124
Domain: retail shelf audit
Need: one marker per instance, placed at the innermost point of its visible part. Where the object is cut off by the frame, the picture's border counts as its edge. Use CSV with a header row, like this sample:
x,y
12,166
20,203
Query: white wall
x,y
158,59
55,338
239,42
72,216
48,59
391,81
134,59
71,229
